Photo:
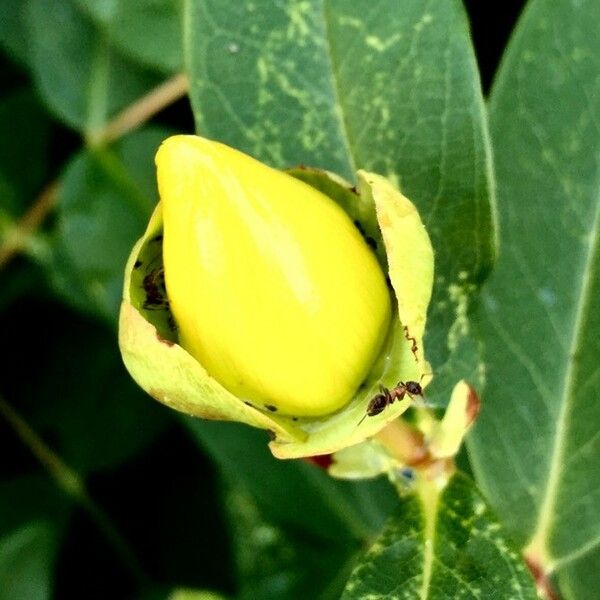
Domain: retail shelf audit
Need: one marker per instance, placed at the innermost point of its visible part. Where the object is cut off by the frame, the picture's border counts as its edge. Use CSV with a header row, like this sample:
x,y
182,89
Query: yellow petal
x,y
273,289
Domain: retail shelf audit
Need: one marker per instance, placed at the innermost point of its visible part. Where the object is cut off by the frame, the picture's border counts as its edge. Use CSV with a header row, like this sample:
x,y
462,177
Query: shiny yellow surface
x,y
273,289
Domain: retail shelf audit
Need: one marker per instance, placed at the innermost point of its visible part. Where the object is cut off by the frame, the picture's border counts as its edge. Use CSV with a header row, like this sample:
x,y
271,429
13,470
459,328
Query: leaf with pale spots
x,y
536,446
388,87
439,546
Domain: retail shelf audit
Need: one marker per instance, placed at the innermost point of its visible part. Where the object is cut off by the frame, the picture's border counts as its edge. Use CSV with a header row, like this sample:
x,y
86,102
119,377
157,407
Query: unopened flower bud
x,y
259,296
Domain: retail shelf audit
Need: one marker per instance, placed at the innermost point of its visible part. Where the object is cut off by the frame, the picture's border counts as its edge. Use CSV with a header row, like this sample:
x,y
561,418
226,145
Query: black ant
x,y
385,397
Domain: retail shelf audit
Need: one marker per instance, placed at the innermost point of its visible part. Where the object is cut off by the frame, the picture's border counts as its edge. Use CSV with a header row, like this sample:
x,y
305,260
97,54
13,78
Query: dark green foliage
x,y
106,494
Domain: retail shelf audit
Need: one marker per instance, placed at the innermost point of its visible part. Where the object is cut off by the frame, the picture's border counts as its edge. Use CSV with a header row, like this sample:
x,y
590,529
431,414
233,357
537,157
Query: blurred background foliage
x,y
112,495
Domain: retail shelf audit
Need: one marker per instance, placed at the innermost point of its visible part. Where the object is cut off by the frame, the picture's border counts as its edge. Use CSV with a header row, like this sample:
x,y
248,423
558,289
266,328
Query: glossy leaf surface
x,y
536,446
394,91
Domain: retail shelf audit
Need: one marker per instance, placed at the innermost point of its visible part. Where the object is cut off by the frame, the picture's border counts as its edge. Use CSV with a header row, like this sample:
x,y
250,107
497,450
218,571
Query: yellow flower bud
x,y
272,287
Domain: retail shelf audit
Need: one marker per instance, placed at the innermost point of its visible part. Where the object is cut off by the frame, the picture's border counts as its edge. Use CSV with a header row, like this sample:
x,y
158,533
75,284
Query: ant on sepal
x,y
385,397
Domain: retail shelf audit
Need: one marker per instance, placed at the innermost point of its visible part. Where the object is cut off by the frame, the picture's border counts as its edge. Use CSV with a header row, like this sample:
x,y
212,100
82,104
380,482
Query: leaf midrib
x,y
335,86
539,539
430,499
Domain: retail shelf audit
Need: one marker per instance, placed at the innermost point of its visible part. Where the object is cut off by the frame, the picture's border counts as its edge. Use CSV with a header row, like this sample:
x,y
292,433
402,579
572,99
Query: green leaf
x,y
536,445
296,531
83,81
580,576
88,405
33,514
13,33
284,489
440,547
346,85
277,562
24,131
26,562
19,280
20,503
148,31
105,200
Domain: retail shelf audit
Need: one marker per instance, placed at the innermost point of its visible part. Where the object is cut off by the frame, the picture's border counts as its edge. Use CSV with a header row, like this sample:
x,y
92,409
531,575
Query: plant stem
x,y
73,485
132,117
141,111
17,238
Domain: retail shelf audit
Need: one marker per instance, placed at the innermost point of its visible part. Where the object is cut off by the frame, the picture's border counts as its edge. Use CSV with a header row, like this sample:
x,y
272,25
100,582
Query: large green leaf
x,y
33,514
86,402
284,489
20,502
77,395
146,30
296,531
536,447
83,81
13,34
443,547
275,562
388,87
26,562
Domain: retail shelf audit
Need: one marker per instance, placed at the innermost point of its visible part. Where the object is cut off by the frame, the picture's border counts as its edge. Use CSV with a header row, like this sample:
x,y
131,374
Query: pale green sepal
x,y
163,368
409,252
446,436
363,461
442,440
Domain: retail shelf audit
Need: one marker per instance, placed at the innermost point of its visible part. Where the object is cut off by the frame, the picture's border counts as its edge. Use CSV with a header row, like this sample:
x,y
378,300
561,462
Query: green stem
x,y
18,235
73,485
132,117
408,446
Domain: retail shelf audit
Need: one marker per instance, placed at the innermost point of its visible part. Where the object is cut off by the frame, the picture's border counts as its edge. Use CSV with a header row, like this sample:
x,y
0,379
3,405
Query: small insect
x,y
414,348
156,293
385,397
